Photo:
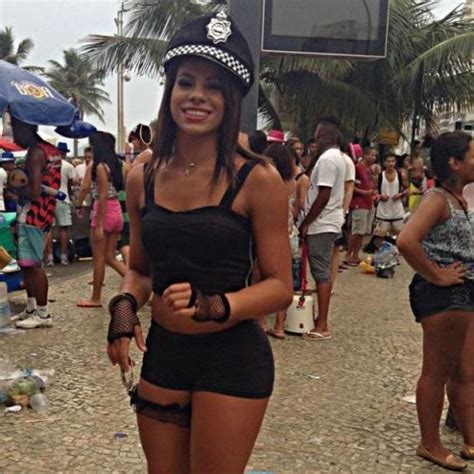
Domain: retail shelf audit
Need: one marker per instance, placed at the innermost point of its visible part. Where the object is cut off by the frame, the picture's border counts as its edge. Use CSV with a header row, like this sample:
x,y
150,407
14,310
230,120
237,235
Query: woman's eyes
x,y
188,83
217,85
185,82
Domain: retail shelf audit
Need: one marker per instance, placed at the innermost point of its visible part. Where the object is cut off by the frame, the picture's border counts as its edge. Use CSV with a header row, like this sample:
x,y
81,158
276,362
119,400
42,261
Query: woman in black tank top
x,y
201,212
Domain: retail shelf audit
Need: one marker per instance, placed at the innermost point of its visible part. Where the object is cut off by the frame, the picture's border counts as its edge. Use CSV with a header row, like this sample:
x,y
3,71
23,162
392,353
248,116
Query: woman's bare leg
x,y
443,339
461,386
110,259
98,253
223,432
166,445
279,325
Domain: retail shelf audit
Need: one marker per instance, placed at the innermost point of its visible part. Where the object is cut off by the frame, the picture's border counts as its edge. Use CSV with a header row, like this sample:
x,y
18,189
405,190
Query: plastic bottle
x,y
4,304
39,402
56,193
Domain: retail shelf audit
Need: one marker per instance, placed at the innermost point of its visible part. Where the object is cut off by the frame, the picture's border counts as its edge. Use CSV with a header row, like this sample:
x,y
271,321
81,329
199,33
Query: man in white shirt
x,y
80,169
63,216
80,173
324,217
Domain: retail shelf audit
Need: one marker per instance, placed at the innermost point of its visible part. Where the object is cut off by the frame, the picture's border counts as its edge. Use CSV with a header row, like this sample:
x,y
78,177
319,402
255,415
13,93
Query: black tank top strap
x,y
299,176
149,184
234,188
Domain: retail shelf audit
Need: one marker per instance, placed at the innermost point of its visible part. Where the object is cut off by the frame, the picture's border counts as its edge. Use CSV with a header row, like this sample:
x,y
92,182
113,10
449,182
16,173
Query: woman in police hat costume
x,y
201,213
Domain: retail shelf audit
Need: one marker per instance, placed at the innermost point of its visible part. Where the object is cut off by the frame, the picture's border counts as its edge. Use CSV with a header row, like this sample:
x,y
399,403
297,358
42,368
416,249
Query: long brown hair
x,y
227,146
282,159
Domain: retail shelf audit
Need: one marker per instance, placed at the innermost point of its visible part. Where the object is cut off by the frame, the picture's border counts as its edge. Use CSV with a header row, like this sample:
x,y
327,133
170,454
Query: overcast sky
x,y
56,25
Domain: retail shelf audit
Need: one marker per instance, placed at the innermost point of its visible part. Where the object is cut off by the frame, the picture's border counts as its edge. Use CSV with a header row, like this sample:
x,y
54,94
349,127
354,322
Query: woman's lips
x,y
195,115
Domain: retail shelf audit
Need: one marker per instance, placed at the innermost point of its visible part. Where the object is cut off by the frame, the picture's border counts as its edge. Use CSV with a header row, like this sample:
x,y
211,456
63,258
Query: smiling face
x,y
197,100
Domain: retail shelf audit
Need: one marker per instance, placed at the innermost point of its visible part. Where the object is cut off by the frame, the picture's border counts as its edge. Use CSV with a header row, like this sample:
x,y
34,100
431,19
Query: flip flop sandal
x,y
87,304
317,336
276,334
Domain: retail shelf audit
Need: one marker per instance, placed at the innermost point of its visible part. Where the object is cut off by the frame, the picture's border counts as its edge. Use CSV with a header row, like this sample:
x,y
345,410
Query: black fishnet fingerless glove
x,y
123,316
214,308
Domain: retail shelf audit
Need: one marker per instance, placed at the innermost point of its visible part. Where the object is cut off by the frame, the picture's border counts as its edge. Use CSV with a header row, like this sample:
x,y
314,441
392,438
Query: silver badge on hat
x,y
219,28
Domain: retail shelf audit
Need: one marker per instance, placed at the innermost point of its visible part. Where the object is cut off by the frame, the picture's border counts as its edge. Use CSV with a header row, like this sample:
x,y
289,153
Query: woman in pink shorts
x,y
107,179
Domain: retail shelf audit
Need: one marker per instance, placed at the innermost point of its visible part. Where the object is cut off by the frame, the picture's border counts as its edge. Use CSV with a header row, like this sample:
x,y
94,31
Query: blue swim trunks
x,y
31,242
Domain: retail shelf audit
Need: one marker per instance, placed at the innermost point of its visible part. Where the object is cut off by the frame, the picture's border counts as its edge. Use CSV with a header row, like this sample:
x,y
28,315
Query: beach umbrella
x,y
31,99
77,129
8,145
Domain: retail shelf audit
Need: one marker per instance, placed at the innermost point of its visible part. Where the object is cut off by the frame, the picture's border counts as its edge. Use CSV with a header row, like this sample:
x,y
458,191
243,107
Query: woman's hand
x,y
451,275
119,350
384,198
80,212
98,233
397,196
177,297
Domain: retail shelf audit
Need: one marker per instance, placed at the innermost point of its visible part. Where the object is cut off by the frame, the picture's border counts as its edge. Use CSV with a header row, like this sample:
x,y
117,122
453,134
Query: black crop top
x,y
210,247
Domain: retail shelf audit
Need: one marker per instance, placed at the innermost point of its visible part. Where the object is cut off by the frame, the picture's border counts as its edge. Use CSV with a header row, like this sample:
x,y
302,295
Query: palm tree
x,y
149,27
428,69
13,55
80,81
7,47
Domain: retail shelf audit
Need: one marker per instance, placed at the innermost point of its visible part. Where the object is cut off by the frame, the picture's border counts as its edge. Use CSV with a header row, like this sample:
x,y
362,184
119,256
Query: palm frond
x,y
267,111
141,55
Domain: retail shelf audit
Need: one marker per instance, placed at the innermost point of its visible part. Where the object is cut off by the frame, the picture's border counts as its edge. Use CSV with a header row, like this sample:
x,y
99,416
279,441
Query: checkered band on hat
x,y
222,56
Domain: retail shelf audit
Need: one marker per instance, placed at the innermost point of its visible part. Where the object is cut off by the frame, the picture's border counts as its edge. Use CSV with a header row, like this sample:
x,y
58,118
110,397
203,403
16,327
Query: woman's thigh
x,y
166,445
444,335
223,432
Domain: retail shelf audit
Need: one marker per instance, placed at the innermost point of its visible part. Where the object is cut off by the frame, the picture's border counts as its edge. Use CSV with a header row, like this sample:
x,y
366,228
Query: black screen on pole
x,y
326,27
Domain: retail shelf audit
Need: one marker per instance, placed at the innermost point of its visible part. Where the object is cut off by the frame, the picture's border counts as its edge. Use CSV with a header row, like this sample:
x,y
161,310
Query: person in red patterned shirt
x,y
362,205
35,217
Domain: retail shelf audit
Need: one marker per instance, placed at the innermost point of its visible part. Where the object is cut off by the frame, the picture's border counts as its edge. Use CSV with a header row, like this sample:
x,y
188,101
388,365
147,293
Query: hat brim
x,y
216,56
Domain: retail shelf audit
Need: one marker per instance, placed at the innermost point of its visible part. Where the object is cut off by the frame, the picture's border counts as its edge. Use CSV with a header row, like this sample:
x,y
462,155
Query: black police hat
x,y
215,37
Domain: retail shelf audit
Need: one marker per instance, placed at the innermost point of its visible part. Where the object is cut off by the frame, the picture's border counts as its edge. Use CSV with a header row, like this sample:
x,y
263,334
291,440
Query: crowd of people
x,y
211,224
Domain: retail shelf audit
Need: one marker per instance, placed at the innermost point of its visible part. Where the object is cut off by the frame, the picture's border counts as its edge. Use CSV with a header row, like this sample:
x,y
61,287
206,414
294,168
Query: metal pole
x,y
120,104
248,16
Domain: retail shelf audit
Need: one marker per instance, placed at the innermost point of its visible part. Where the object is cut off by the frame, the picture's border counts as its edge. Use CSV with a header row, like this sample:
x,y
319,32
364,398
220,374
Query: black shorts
x,y
427,299
236,361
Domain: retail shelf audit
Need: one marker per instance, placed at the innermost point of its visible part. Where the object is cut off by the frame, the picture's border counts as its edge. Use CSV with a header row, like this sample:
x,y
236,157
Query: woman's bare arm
x,y
137,280
432,211
102,180
301,191
269,217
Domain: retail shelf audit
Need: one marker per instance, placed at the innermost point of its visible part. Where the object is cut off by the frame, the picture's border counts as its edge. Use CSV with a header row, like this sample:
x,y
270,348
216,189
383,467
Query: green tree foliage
x,y
428,69
8,52
79,80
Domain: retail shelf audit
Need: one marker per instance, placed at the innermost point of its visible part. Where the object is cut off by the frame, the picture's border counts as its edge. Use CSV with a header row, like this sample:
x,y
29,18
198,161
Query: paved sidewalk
x,y
338,405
